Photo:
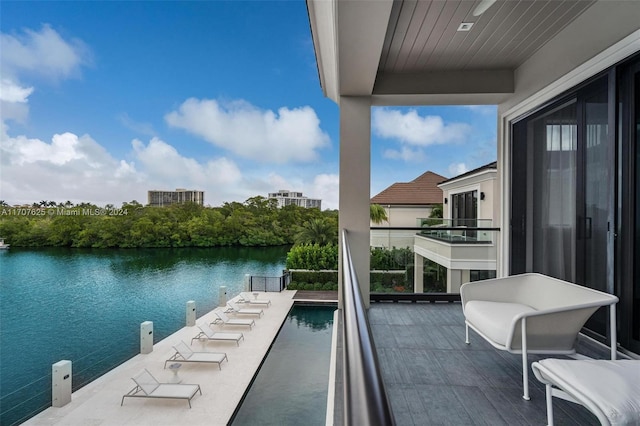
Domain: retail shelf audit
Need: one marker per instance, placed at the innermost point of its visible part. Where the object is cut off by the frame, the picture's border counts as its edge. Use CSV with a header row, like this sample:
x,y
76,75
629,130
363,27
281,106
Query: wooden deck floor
x,y
433,378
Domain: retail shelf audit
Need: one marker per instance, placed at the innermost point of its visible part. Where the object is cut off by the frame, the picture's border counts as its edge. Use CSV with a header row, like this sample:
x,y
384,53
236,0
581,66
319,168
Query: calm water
x,y
292,384
87,305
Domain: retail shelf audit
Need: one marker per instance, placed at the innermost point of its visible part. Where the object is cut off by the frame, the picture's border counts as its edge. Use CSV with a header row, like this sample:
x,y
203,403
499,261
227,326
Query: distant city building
x,y
286,198
179,196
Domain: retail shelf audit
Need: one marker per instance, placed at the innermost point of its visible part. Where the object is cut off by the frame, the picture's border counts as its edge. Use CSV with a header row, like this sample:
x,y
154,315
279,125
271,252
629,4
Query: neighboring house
x,y
156,198
287,198
469,201
406,204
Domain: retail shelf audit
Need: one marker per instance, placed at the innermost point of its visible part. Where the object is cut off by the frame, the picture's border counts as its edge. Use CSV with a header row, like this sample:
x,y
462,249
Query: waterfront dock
x,y
98,403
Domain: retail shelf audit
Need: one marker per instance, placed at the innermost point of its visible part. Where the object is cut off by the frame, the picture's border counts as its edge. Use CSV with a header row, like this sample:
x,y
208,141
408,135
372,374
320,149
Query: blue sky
x,y
102,101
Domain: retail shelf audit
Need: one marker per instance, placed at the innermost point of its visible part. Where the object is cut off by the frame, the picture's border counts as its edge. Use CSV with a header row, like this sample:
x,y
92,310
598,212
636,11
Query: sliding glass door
x,y
595,199
561,226
628,247
575,194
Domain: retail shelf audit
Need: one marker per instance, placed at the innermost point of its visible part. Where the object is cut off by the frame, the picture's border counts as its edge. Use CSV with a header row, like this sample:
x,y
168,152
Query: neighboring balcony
x,y
445,254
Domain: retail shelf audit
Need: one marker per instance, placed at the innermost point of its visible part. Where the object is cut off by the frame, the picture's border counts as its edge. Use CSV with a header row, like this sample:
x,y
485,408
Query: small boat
x,y
3,246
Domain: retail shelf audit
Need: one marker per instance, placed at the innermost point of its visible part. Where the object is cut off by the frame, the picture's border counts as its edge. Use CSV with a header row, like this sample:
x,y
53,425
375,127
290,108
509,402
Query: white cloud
x,y
456,169
413,129
406,154
42,52
326,187
12,92
67,168
81,170
163,164
261,135
483,109
63,149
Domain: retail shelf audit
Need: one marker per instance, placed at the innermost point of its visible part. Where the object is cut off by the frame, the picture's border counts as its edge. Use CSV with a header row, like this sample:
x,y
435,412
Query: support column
x,y
454,280
355,186
466,277
418,273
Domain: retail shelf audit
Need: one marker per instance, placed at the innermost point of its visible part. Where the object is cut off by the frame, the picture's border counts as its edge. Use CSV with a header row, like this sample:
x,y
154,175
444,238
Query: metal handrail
x,y
365,398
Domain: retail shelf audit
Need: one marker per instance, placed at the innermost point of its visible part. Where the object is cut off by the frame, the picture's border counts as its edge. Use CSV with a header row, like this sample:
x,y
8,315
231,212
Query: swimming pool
x,y
290,388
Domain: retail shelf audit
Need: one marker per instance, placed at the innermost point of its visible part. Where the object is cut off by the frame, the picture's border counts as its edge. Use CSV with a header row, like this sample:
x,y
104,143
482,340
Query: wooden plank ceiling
x,y
423,35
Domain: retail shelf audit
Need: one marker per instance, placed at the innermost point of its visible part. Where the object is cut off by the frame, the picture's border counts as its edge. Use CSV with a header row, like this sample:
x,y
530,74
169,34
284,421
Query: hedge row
x,y
381,282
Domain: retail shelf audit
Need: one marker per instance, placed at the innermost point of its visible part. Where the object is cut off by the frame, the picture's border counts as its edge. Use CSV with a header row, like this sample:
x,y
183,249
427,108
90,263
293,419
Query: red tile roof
x,y
423,190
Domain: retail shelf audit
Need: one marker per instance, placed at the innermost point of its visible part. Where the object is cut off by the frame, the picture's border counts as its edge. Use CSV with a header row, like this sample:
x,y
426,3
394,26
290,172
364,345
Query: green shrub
x,y
313,256
317,286
314,276
292,285
328,286
308,286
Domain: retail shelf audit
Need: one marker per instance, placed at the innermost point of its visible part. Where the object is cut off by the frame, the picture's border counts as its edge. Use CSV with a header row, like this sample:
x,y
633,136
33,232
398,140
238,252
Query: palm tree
x,y
317,231
377,213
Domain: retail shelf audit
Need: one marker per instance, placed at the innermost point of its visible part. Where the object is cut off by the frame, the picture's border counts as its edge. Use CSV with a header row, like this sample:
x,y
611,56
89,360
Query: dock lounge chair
x,y
232,308
148,387
222,318
249,299
609,389
532,313
185,354
206,333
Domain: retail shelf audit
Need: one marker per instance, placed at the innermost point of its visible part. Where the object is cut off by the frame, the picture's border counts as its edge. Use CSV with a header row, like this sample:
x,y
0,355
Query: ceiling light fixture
x,y
465,26
482,7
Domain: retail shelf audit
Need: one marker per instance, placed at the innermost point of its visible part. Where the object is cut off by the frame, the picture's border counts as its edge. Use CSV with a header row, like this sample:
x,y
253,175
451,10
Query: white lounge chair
x,y
609,389
532,313
185,354
207,334
148,387
222,318
251,300
232,308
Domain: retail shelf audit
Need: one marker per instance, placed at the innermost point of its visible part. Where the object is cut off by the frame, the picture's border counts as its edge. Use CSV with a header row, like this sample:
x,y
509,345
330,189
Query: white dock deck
x,y
98,403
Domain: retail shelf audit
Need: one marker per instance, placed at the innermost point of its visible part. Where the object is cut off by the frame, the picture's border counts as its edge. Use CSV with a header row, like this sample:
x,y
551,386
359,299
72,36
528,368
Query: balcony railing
x,y
365,398
458,231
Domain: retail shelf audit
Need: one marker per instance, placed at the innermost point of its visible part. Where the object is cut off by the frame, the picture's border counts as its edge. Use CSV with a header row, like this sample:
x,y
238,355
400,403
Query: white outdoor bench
x,y
532,313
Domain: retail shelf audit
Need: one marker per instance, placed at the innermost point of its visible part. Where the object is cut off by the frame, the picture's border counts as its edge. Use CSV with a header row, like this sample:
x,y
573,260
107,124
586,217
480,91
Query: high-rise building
x,y
158,198
286,198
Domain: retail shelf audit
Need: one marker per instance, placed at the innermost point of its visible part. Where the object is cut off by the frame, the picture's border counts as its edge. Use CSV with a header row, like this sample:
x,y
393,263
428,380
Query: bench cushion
x,y
613,386
494,319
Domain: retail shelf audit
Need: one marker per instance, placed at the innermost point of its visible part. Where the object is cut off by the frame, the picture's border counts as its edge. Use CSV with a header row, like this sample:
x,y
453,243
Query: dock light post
x,y
191,313
146,337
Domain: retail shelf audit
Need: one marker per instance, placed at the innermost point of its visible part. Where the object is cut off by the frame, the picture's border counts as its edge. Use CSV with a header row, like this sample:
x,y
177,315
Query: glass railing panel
x,y
458,231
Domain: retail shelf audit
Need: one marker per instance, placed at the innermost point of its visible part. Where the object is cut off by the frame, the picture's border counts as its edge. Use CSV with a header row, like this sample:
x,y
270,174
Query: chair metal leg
x,y
525,363
612,324
549,405
466,333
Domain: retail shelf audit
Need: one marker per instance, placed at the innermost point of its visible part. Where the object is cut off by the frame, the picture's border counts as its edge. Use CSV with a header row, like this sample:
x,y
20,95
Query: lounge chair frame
x,y
184,354
223,319
246,298
232,308
160,390
216,336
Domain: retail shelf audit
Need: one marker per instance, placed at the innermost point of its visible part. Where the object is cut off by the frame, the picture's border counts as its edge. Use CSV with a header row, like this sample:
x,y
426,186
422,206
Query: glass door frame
x,y
627,268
